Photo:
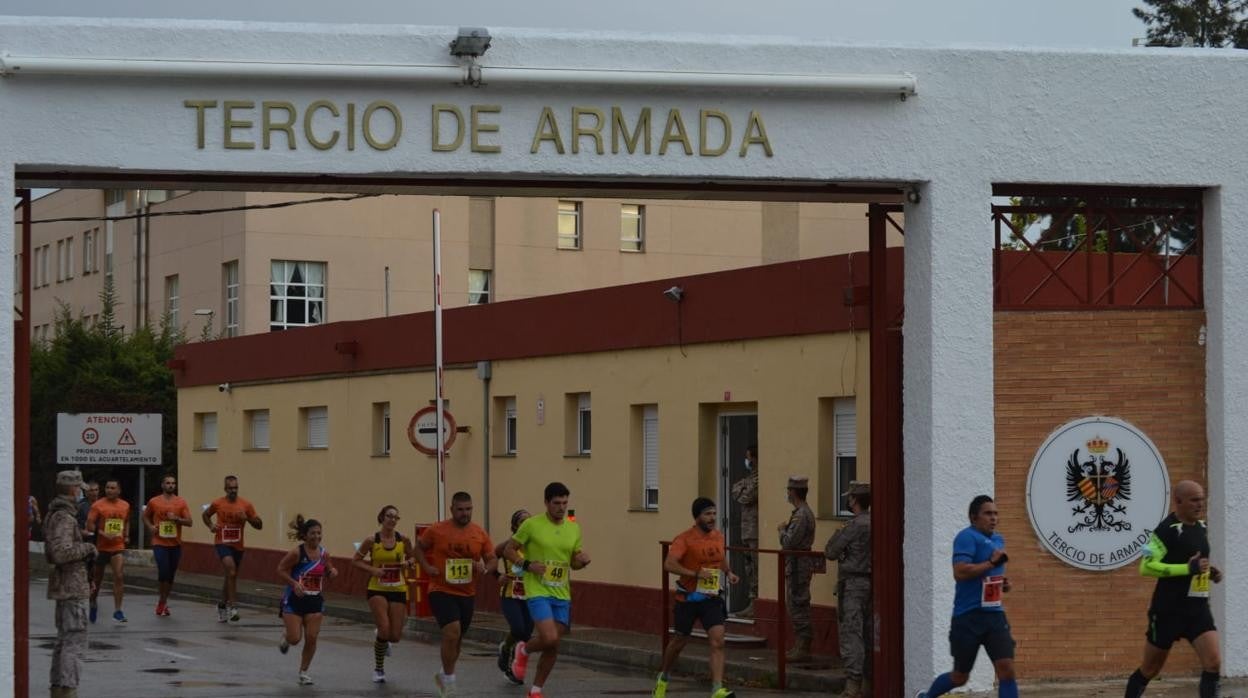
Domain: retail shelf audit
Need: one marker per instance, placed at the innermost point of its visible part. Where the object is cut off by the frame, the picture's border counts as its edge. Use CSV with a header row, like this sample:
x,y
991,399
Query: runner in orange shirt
x,y
109,518
164,516
697,555
454,553
233,514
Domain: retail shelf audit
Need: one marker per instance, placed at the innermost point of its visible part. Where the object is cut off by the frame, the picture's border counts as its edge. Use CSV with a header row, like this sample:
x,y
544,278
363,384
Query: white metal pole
x,y
437,360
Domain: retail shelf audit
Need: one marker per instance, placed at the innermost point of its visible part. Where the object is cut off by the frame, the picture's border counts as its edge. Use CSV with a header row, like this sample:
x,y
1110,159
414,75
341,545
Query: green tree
x,y
1209,23
100,369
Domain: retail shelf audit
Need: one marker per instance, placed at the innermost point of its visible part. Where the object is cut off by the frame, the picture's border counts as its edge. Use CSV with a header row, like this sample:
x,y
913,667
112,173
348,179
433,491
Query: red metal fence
x,y
1067,249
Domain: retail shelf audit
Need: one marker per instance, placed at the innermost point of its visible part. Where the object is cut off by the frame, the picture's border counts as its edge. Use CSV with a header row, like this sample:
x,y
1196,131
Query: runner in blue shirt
x,y
978,616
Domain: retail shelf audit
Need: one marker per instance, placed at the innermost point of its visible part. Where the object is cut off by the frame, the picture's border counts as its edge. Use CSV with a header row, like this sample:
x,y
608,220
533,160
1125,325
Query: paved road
x,y
190,654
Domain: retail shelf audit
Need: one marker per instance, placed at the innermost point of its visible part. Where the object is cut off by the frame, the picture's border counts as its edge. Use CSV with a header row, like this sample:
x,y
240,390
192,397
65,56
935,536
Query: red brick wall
x,y
1145,367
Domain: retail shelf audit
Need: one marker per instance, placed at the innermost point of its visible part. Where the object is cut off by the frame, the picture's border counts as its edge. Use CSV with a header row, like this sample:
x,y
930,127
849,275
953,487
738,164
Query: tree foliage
x,y
1208,23
100,368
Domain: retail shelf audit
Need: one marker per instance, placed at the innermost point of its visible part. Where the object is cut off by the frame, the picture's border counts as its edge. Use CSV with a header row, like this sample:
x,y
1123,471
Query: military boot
x,y
853,688
800,651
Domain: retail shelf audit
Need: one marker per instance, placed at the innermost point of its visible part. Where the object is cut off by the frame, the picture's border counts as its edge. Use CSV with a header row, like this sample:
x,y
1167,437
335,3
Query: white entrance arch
x,y
1143,118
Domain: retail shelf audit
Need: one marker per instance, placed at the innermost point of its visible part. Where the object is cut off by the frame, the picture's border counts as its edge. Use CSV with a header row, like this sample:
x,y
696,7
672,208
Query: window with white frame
x,y
229,274
257,429
88,250
296,294
583,422
69,258
60,261
316,427
650,456
172,299
845,445
509,426
569,225
206,425
381,428
479,286
632,228
115,202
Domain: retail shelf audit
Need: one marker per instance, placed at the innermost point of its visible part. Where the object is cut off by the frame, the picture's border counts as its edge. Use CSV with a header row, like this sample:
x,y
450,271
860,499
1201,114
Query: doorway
x,y
737,432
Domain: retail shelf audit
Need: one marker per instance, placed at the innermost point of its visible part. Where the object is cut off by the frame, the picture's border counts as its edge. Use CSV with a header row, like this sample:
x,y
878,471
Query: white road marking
x,y
177,655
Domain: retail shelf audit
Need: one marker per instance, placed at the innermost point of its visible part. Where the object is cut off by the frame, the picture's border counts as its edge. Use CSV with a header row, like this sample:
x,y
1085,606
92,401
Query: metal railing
x,y
782,614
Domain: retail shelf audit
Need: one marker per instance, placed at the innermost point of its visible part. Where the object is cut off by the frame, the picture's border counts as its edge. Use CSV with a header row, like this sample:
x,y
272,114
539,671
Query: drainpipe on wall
x,y
484,371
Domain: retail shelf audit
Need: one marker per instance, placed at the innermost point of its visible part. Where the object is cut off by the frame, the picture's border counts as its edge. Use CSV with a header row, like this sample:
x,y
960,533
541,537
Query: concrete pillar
x,y
1226,285
948,404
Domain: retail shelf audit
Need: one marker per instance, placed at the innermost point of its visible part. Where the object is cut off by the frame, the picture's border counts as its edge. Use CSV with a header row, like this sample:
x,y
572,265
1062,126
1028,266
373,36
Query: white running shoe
x,y
223,614
233,612
283,646
379,676
304,679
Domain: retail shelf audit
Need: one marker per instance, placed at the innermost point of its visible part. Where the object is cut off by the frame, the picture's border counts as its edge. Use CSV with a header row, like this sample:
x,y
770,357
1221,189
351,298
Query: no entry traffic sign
x,y
422,431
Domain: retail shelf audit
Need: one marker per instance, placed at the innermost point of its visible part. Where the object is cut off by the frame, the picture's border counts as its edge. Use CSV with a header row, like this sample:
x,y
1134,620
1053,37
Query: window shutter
x,y
208,431
260,429
650,454
318,427
846,432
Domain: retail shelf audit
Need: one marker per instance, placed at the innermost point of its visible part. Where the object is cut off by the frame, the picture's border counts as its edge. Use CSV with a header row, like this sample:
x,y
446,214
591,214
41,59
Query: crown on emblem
x,y
1098,445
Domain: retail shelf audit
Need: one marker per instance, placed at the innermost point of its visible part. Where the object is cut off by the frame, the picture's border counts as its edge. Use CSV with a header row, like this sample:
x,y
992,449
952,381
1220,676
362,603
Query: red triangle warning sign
x,y
127,439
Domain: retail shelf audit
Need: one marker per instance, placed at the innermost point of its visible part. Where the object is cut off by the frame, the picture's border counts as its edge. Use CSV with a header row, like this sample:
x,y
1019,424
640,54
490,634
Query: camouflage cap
x,y
799,482
65,478
856,487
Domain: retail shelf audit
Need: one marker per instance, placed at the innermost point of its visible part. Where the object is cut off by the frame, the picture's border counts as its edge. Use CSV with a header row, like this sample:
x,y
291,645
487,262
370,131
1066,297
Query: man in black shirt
x,y
1177,554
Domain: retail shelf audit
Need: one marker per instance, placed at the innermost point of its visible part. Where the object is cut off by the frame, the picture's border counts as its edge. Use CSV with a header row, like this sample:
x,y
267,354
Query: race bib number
x,y
992,589
391,575
556,574
167,529
114,527
458,570
709,585
1199,588
231,533
517,589
312,583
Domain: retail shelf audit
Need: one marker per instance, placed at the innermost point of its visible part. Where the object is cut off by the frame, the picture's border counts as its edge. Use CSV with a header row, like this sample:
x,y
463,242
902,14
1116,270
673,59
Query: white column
x,y
8,243
1226,287
948,411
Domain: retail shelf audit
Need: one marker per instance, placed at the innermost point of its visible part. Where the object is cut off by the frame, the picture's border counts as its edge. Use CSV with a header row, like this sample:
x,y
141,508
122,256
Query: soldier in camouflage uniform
x,y
799,534
851,548
745,493
67,583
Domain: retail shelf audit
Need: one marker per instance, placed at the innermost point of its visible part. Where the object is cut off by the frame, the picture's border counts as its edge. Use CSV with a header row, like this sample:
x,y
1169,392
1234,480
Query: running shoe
x,y
160,609
283,646
535,692
723,693
164,611
223,614
94,612
234,613
446,689
921,694
387,649
512,678
304,679
660,687
519,662
119,616
502,656
379,676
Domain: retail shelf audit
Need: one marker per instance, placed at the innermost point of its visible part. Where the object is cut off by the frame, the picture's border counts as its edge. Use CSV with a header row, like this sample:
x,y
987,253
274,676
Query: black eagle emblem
x,y
1099,487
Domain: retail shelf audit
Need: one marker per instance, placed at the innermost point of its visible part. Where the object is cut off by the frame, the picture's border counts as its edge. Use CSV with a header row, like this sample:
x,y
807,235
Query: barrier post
x,y
782,626
418,585
666,586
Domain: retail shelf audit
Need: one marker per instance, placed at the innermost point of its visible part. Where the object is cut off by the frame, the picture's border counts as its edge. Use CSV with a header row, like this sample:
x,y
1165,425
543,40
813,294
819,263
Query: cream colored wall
x,y
359,239
344,485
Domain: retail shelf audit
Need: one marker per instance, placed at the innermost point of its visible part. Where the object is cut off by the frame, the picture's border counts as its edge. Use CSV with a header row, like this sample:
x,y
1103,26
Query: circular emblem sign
x,y
1097,487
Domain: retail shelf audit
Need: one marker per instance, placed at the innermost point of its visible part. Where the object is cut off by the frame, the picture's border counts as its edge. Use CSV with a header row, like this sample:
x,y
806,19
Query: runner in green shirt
x,y
548,548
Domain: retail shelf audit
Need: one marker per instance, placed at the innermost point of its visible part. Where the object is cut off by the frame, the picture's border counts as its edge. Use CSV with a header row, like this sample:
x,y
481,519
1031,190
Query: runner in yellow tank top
x,y
386,556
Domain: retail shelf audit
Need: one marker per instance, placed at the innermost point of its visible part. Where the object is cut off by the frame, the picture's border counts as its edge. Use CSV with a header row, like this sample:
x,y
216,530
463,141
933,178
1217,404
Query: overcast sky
x,y
1045,23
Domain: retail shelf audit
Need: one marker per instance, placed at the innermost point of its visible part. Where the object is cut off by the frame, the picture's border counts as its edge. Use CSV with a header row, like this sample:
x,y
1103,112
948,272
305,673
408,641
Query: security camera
x,y
674,294
223,387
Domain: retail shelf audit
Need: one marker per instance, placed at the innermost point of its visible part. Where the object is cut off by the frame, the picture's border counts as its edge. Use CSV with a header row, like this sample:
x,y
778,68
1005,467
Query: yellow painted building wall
x,y
782,379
